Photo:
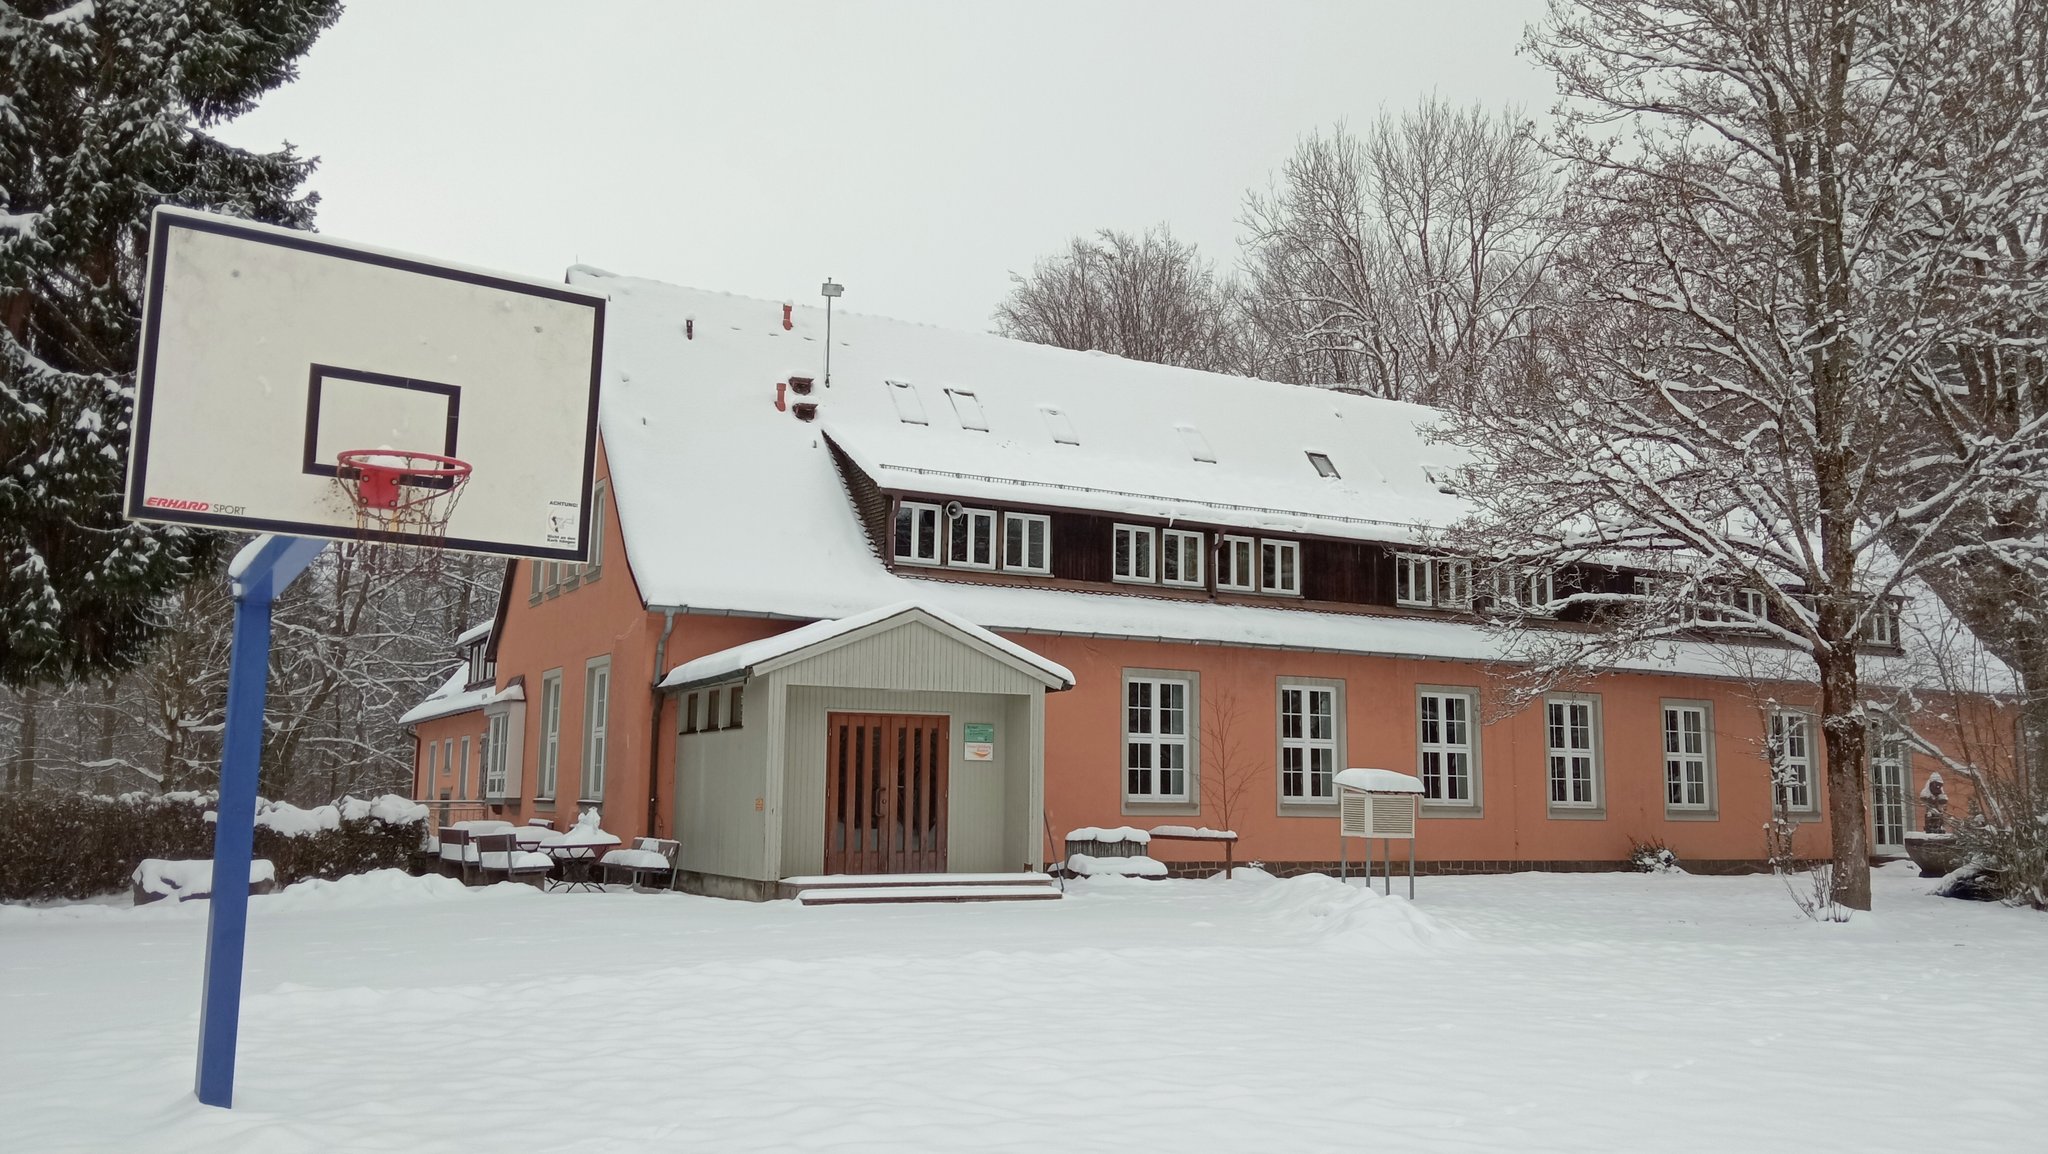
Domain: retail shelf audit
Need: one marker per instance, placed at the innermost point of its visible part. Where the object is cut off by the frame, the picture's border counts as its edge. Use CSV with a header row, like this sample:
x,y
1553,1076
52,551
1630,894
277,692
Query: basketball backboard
x,y
268,353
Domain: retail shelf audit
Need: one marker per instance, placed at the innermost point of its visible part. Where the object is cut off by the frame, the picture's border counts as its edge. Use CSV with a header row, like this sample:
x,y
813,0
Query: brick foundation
x,y
1442,868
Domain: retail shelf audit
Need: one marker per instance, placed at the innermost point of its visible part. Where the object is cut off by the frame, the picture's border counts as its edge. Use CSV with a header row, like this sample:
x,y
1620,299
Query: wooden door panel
x,y
885,793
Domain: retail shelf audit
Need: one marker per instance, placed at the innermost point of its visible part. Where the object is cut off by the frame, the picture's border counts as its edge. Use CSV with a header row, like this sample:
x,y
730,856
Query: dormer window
x,y
1881,624
972,534
909,407
917,533
482,670
1435,582
1137,554
1322,463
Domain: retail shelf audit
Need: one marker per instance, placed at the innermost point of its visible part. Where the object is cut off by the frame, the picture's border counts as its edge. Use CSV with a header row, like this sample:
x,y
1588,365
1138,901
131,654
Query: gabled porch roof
x,y
770,653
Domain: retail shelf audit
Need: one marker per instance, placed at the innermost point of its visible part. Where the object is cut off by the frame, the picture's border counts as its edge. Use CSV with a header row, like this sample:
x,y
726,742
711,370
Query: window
x,y
462,774
917,533
711,710
550,732
1412,580
1524,590
1308,742
1454,584
433,752
1687,758
1574,762
1234,565
732,710
497,735
533,582
479,670
967,407
689,718
1027,539
1280,567
973,539
909,408
1198,445
1136,556
1180,557
1322,463
1156,739
554,577
597,695
1751,603
1881,624
1444,737
1059,425
1790,745
594,568
448,758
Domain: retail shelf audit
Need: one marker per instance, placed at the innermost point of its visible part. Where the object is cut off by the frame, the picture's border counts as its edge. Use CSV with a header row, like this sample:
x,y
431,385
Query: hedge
x,y
71,845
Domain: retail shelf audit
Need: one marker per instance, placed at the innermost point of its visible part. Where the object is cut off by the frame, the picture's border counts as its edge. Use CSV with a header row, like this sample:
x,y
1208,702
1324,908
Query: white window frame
x,y
1277,551
1118,553
1181,546
594,568
1029,524
462,777
1237,564
448,761
1790,750
924,549
1439,738
1888,747
1300,744
497,735
1146,715
1690,771
433,767
550,735
1593,803
1408,568
713,698
971,527
1453,583
1881,623
1524,589
597,707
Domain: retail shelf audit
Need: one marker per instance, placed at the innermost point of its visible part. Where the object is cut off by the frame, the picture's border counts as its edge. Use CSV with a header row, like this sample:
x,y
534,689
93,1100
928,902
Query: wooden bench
x,y
649,857
498,858
1228,838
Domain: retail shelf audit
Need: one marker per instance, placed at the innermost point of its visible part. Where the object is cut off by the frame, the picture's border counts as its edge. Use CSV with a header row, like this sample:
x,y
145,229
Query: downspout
x,y
668,624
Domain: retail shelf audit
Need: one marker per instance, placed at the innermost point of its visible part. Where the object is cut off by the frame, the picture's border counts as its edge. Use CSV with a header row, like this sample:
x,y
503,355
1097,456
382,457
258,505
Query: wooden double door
x,y
885,793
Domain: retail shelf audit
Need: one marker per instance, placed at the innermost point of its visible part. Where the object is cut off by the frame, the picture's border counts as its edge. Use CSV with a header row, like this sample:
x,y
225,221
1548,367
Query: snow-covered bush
x,y
74,845
2010,860
1652,857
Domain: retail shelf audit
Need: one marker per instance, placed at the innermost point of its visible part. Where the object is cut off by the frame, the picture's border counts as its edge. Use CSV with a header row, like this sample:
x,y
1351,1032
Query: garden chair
x,y
498,858
454,852
650,857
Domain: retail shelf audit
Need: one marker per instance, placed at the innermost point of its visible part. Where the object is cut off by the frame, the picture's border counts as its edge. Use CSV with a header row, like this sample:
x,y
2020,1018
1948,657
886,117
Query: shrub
x,y
73,845
1652,857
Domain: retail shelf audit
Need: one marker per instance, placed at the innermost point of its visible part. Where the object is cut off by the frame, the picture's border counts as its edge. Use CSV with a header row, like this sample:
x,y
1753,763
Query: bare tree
x,y
1761,274
1228,771
1403,263
1149,297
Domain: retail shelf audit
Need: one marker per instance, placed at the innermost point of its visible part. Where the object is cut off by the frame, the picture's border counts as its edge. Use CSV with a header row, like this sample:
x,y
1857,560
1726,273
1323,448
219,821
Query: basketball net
x,y
395,492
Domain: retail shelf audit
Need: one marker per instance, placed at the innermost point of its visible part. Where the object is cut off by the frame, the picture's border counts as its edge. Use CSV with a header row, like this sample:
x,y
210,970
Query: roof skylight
x,y
909,408
1322,463
1198,445
967,407
1061,427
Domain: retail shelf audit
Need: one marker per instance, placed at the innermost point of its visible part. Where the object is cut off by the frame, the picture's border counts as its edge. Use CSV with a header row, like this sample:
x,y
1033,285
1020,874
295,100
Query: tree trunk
x,y
25,757
1842,724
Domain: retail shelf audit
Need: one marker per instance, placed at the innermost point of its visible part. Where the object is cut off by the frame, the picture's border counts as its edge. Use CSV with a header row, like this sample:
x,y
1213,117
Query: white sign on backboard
x,y
266,353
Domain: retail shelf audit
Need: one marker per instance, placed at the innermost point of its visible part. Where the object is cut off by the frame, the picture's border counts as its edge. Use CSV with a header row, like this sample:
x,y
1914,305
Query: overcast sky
x,y
918,152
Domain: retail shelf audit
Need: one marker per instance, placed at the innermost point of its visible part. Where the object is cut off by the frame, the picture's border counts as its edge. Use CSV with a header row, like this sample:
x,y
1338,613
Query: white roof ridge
x,y
741,660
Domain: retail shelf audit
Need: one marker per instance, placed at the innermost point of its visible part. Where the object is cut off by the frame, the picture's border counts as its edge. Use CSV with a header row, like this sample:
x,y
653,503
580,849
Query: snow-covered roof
x,y
745,660
474,633
765,525
1378,781
452,699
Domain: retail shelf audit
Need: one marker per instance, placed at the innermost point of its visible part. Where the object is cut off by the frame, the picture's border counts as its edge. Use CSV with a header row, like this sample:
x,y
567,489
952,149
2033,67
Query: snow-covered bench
x,y
159,878
496,857
1125,850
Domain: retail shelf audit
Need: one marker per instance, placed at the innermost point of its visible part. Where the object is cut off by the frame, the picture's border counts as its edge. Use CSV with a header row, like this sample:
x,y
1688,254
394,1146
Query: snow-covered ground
x,y
1523,1013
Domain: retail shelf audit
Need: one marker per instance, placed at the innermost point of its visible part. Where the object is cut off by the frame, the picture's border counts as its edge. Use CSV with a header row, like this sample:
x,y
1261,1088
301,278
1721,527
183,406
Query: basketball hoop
x,y
401,492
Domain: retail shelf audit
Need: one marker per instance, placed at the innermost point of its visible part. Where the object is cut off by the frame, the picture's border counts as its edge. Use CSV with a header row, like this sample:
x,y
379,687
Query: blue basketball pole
x,y
262,570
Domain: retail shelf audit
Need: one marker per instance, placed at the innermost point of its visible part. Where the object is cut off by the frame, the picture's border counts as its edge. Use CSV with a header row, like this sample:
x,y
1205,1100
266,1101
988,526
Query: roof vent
x,y
1322,463
1198,445
909,409
801,386
967,407
1061,427
805,410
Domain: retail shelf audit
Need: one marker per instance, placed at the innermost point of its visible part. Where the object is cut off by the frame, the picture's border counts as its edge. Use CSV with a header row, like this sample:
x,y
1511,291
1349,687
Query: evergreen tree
x,y
103,110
